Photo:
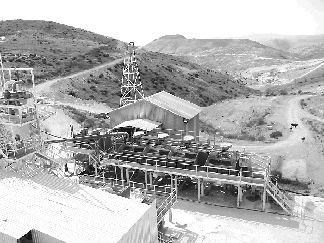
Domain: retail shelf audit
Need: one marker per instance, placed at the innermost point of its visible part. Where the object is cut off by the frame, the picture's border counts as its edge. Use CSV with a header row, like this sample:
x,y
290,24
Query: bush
x,y
276,134
72,93
256,121
270,92
303,103
283,92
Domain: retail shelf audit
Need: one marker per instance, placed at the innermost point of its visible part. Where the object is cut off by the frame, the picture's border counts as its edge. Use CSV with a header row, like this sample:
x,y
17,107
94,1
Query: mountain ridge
x,y
221,54
306,46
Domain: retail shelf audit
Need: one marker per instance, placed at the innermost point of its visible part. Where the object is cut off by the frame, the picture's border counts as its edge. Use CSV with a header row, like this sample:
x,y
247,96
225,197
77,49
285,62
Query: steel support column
x,y
151,178
122,175
198,184
127,176
202,188
145,181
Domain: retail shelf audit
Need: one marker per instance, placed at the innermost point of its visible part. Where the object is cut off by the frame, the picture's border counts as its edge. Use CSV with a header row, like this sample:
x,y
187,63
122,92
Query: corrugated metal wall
x,y
4,238
145,110
145,230
39,237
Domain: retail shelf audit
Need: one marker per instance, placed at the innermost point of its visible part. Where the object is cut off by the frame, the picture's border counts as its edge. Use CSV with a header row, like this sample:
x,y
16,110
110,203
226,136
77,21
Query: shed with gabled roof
x,y
171,111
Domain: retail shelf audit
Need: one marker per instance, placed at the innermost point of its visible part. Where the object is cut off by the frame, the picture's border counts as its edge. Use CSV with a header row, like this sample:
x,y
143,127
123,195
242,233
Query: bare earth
x,y
302,160
200,223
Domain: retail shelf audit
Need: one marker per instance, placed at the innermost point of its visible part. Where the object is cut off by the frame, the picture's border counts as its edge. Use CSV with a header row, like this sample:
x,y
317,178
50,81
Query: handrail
x,y
15,119
161,238
258,160
24,146
166,205
277,192
182,172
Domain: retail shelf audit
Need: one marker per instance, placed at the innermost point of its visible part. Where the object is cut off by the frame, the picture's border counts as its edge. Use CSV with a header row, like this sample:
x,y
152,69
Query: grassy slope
x,y
54,49
159,72
246,119
314,105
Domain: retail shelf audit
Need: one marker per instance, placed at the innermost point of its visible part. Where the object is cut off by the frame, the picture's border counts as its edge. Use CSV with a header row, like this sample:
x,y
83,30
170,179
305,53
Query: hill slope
x,y
306,46
158,72
54,49
220,54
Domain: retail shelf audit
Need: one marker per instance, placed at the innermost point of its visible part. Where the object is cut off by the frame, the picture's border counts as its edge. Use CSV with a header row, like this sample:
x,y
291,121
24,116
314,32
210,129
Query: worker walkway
x,y
205,175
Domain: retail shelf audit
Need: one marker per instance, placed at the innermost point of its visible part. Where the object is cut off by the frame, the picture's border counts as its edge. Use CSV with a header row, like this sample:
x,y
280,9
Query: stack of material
x,y
58,210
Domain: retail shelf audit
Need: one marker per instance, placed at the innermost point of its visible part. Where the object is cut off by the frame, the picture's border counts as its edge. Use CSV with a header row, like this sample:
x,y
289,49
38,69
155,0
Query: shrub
x,y
270,92
276,134
303,103
256,121
283,92
72,93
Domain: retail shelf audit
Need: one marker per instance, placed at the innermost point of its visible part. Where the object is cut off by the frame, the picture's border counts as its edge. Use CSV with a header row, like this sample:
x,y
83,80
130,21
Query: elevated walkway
x,y
205,175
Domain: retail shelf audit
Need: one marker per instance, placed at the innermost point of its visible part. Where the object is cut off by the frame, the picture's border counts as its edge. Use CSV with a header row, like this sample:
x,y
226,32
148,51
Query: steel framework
x,y
131,87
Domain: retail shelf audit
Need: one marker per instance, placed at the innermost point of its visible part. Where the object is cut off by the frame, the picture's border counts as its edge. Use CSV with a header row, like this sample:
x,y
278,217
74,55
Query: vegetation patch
x,y
87,119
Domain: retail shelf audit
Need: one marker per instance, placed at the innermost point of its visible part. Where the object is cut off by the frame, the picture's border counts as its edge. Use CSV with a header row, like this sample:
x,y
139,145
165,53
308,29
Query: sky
x,y
142,21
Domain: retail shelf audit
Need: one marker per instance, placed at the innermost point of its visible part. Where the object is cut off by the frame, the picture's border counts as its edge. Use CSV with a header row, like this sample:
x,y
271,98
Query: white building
x,y
52,209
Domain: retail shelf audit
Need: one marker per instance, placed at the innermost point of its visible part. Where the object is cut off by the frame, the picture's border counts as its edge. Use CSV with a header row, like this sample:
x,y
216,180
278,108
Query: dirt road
x,y
45,87
199,223
312,70
294,115
294,157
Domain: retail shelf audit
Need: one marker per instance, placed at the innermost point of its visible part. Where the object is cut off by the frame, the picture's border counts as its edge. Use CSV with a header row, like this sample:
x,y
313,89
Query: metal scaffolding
x,y
131,87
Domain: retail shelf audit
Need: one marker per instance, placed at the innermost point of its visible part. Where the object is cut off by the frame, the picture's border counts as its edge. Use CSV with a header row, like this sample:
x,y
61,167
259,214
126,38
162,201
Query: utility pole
x,y
2,78
131,86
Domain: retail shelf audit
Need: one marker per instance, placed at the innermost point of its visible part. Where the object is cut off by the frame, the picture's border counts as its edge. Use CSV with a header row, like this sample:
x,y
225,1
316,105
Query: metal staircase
x,y
280,197
166,204
272,189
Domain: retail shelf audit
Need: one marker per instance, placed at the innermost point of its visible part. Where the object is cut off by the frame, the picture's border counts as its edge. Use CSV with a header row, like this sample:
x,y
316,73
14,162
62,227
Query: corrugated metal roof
x,y
83,214
143,124
174,104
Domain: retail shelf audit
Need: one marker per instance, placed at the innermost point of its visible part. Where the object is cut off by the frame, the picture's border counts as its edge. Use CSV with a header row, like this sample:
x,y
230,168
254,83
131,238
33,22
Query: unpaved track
x,y
296,159
45,87
321,64
294,115
93,107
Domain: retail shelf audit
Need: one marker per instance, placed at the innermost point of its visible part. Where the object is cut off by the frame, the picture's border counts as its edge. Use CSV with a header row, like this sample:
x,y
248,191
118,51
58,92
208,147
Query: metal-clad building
x,y
49,209
173,112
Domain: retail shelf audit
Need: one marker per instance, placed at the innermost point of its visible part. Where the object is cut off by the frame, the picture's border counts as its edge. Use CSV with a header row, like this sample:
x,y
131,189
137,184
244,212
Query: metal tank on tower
x,y
19,124
131,87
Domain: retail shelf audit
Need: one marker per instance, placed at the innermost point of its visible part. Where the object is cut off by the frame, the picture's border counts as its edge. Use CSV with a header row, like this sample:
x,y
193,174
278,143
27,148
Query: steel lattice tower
x,y
131,87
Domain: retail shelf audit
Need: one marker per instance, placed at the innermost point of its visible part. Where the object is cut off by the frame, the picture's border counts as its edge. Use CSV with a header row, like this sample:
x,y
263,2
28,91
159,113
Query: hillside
x,y
220,54
158,72
54,49
306,46
312,81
